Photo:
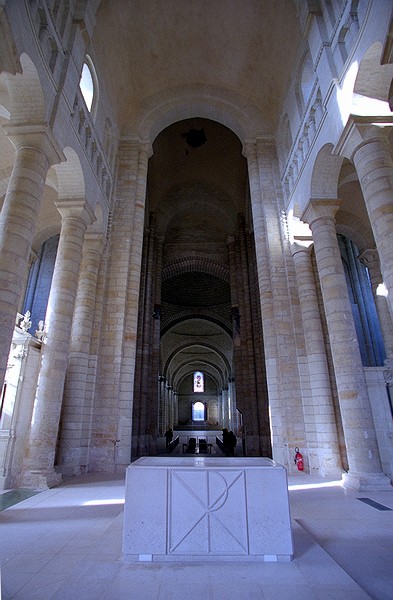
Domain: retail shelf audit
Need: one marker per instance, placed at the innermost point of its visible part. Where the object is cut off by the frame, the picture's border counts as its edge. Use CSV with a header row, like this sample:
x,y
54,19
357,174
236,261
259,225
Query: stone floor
x,y
65,543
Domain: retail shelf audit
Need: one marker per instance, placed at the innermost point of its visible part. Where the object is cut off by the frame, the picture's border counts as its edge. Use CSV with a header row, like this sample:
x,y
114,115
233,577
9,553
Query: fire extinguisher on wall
x,y
299,460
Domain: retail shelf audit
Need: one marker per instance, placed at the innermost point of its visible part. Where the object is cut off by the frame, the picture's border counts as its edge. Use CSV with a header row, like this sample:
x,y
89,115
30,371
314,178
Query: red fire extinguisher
x,y
299,460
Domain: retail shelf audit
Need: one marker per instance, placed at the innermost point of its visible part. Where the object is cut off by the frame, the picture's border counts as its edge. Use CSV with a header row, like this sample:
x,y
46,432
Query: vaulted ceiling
x,y
146,47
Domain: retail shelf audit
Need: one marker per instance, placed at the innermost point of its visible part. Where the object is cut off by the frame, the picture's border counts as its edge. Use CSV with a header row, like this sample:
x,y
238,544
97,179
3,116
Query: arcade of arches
x,y
200,202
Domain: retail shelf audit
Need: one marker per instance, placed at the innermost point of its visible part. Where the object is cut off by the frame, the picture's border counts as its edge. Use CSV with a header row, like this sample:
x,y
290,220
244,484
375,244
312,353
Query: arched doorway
x,y
199,307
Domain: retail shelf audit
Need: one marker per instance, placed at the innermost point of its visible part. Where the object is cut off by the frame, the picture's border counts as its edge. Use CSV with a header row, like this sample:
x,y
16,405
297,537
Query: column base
x,y
367,482
69,471
41,480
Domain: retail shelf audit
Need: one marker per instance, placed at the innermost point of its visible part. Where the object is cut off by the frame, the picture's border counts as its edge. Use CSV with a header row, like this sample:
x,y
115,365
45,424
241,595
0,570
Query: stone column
x,y
365,471
126,391
371,259
374,166
321,430
115,391
283,381
76,414
39,464
36,150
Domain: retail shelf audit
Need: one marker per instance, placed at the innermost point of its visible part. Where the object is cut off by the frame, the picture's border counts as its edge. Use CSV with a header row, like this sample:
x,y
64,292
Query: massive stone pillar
x,y
374,166
145,413
365,471
111,444
36,150
76,412
38,469
283,381
324,452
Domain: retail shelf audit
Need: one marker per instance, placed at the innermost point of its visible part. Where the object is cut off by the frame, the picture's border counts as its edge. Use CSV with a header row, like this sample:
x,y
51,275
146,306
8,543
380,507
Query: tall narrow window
x,y
86,86
198,382
89,86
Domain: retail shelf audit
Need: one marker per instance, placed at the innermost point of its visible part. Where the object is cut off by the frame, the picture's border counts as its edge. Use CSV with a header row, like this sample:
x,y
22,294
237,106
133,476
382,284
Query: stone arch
x,y
286,136
305,83
210,102
185,315
209,369
221,365
325,174
350,226
196,263
204,194
27,103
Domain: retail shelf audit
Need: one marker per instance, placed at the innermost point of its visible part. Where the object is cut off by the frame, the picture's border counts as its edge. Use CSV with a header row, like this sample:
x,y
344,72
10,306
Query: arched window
x,y
198,382
198,411
89,86
307,80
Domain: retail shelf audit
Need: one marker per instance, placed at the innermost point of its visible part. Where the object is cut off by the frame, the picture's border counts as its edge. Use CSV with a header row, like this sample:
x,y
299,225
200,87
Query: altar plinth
x,y
206,508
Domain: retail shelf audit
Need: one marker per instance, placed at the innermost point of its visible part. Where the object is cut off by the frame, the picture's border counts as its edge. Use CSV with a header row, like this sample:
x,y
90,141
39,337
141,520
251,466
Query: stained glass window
x,y
198,382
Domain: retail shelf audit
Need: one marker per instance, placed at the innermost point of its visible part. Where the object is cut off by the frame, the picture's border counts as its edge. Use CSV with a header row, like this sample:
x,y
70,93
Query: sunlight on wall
x,y
344,93
357,104
382,290
299,232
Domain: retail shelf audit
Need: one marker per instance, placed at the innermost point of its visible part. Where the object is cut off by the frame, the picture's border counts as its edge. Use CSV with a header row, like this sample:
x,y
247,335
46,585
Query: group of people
x,y
229,441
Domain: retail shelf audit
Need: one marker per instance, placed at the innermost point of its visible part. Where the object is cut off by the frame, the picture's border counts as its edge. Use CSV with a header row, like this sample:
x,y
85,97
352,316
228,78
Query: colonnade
x,y
69,321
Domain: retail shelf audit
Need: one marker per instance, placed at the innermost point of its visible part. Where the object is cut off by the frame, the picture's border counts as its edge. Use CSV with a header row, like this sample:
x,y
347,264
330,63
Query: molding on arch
x,y
206,101
191,264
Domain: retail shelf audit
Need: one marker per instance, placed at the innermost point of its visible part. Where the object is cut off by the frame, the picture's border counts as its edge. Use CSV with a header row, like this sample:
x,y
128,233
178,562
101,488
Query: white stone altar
x,y
206,508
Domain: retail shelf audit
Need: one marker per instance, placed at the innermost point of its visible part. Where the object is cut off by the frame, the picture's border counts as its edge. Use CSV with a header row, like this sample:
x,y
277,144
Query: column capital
x,y
76,208
94,241
320,209
297,247
369,257
360,131
249,150
255,146
37,137
134,141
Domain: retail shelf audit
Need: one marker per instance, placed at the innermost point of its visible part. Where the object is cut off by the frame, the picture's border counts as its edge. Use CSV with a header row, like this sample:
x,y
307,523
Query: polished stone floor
x,y
65,543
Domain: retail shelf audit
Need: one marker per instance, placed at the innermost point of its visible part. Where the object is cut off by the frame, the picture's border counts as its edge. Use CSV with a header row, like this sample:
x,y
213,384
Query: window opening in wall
x,y
198,411
86,85
198,382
